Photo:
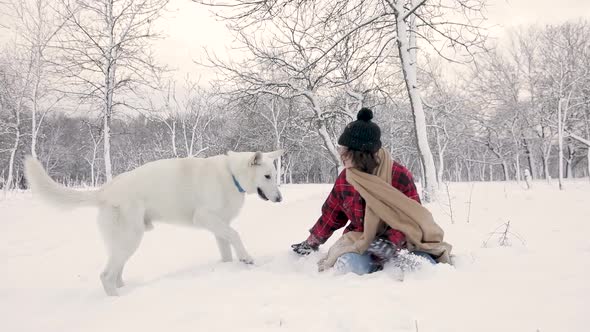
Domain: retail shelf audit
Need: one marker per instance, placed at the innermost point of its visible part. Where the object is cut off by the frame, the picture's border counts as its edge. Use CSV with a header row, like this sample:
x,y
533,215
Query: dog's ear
x,y
275,154
256,159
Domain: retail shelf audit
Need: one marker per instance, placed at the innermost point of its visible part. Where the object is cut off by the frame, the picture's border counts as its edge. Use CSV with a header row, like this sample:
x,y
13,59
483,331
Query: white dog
x,y
203,192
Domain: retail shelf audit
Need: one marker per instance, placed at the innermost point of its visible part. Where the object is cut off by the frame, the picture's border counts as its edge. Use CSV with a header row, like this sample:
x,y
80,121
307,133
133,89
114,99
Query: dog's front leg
x,y
224,231
224,249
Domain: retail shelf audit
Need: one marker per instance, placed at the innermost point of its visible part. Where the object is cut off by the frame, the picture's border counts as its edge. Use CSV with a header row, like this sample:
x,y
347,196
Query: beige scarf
x,y
384,203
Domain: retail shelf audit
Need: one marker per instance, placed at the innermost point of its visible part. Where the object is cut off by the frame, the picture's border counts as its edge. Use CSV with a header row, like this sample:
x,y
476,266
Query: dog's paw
x,y
148,225
111,291
247,260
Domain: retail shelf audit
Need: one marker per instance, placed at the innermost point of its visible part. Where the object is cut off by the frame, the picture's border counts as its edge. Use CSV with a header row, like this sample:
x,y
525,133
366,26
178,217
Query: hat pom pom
x,y
365,114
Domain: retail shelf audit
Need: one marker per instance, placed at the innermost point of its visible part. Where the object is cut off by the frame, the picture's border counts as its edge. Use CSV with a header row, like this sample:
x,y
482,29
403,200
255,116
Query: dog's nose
x,y
279,198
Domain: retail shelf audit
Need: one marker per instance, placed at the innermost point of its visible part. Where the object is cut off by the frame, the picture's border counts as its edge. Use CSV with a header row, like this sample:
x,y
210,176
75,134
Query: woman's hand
x,y
304,248
383,249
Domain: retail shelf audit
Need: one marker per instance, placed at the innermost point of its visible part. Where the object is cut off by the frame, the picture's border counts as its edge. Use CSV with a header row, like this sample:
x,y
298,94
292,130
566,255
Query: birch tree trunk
x,y
560,143
505,170
322,129
10,183
34,109
406,43
517,167
109,71
546,156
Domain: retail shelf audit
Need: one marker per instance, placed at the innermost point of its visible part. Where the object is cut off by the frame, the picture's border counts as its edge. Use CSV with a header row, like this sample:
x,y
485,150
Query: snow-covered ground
x,y
50,262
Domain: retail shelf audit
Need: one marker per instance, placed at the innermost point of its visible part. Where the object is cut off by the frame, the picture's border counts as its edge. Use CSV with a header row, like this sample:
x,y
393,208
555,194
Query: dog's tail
x,y
44,187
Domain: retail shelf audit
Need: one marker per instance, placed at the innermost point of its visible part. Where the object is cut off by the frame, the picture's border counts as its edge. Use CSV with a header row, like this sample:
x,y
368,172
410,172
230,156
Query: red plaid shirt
x,y
345,203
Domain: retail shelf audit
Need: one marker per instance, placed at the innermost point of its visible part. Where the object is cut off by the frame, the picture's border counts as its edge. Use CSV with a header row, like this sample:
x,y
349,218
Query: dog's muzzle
x,y
262,195
277,199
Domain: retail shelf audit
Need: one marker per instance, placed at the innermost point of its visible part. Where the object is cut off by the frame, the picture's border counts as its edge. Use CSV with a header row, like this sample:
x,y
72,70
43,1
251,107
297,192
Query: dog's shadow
x,y
186,273
288,262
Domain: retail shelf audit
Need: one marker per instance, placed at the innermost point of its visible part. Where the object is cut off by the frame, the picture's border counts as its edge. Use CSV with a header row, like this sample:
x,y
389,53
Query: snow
x,y
50,261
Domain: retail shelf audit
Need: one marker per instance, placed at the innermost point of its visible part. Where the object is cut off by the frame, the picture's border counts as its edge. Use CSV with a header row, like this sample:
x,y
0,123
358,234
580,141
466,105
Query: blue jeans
x,y
363,264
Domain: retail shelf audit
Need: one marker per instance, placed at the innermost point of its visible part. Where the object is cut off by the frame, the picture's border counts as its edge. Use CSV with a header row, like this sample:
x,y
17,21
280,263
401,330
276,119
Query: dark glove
x,y
383,249
304,248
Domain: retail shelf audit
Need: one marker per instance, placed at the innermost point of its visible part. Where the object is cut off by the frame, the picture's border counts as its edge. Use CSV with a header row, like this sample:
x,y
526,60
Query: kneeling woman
x,y
380,199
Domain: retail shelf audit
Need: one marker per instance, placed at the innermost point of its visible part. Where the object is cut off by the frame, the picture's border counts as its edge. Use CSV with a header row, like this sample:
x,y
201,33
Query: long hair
x,y
366,162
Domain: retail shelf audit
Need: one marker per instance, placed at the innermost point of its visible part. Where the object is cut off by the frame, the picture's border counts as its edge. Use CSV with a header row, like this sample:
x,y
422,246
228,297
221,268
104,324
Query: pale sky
x,y
189,27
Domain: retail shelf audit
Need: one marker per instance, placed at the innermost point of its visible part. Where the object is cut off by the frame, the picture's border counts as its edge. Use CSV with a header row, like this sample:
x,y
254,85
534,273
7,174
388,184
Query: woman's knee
x,y
355,263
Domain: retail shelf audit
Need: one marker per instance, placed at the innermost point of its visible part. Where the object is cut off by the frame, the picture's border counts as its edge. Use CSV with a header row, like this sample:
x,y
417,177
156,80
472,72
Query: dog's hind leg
x,y
224,231
148,224
119,282
122,229
224,249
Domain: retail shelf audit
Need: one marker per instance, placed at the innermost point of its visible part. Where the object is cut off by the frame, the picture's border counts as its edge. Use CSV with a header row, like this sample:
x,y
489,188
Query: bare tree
x,y
399,21
36,25
564,47
289,64
106,55
447,113
199,113
278,116
168,112
525,54
185,112
95,133
16,81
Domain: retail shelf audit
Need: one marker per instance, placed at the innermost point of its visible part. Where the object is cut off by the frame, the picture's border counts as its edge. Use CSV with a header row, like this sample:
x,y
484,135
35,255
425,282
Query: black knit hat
x,y
362,134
